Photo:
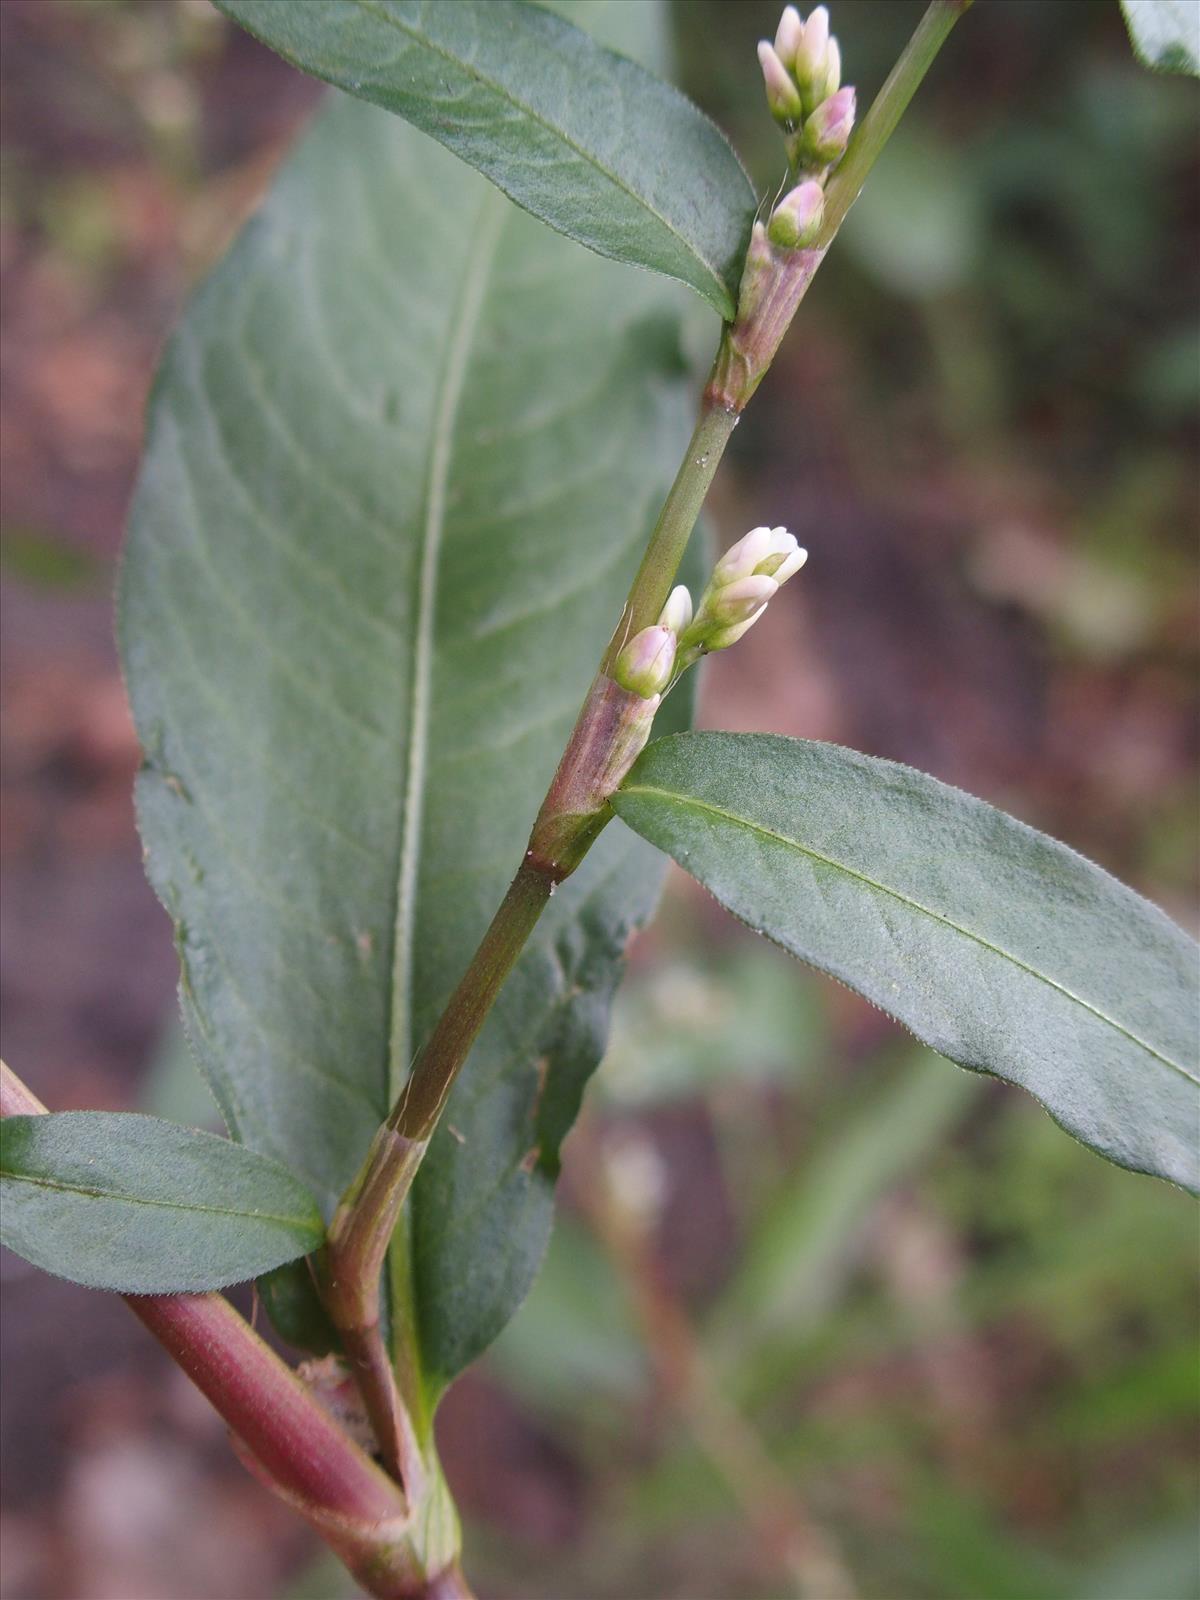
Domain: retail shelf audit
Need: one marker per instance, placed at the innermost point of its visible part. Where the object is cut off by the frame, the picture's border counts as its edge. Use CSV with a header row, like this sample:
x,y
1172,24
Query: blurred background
x,y
857,1317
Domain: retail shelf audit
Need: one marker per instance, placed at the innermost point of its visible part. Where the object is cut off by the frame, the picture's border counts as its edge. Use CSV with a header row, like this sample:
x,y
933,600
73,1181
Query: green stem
x,y
611,728
669,540
366,1218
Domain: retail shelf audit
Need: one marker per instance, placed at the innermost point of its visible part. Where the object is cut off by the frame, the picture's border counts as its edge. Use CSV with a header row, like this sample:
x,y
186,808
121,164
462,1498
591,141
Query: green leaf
x,y
401,459
1165,33
115,1200
585,139
994,944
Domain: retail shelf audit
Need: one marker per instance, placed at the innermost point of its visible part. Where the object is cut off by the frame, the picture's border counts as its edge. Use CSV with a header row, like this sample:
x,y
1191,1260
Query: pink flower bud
x,y
827,131
783,97
797,218
644,665
788,36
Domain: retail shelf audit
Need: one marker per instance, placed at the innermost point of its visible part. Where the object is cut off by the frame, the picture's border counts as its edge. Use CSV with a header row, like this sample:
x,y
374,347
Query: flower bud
x,y
783,567
809,62
740,560
788,36
757,274
760,550
743,581
677,612
734,602
833,69
827,131
796,220
783,97
722,638
644,665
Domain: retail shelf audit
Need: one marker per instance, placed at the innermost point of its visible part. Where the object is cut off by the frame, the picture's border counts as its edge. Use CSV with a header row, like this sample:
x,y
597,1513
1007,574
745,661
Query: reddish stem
x,y
284,1435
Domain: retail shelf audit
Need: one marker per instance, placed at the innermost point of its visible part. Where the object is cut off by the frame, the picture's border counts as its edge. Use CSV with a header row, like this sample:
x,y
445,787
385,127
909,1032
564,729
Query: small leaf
x,y
1165,33
115,1200
585,139
997,946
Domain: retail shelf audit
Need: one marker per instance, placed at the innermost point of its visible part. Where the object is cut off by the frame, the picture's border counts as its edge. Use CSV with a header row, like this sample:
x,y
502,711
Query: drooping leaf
x,y
997,946
1165,33
116,1200
582,137
401,458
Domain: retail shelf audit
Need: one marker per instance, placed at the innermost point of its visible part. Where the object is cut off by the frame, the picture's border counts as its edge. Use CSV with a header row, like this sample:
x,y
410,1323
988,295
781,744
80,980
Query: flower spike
x,y
802,72
743,581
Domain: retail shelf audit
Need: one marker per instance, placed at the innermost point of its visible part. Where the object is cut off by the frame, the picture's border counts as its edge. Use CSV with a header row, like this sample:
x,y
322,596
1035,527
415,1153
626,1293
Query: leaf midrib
x,y
307,1224
464,322
914,905
588,157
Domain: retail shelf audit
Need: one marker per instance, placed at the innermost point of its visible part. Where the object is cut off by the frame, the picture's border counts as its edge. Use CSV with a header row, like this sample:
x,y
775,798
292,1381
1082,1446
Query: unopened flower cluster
x,y
737,594
802,71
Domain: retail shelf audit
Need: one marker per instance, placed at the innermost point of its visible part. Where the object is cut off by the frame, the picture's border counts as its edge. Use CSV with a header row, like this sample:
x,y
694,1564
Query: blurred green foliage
x,y
967,1343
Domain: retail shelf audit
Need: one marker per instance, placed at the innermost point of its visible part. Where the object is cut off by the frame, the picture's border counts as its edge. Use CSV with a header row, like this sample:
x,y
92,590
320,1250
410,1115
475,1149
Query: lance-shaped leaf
x,y
116,1200
998,946
582,137
401,459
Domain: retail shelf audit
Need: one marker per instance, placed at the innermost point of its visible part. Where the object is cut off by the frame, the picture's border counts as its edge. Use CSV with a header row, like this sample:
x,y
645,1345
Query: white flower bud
x,y
788,36
644,666
789,564
743,581
722,638
833,69
783,97
677,612
734,602
741,559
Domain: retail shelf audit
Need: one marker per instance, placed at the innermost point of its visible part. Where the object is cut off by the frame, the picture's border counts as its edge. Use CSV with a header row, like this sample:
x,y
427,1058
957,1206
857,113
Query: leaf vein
x,y
915,905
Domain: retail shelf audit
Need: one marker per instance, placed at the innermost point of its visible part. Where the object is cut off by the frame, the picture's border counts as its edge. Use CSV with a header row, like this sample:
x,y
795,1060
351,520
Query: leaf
x,y
585,139
401,458
1165,33
115,1200
997,946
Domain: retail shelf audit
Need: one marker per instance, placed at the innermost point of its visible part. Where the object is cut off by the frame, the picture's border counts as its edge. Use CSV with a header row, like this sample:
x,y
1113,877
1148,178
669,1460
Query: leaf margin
x,y
137,1136
1188,1181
